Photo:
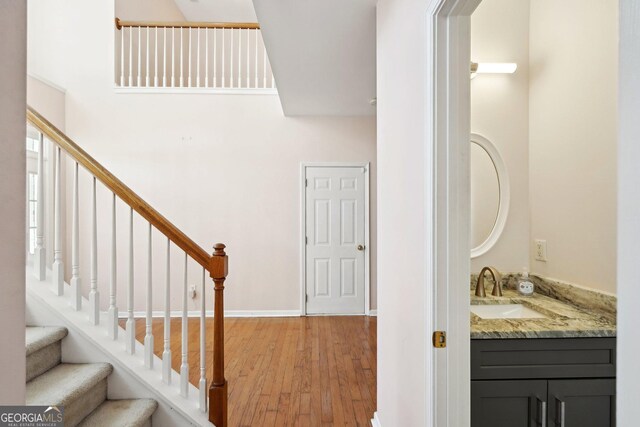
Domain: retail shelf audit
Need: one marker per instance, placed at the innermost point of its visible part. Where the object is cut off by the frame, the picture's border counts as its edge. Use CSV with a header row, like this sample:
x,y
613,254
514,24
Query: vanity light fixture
x,y
493,68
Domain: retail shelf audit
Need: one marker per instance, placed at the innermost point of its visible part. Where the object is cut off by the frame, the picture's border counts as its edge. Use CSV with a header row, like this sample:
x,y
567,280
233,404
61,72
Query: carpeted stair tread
x,y
121,413
38,337
66,383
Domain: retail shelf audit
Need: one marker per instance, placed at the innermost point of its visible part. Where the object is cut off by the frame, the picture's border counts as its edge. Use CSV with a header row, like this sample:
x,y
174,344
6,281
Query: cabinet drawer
x,y
543,358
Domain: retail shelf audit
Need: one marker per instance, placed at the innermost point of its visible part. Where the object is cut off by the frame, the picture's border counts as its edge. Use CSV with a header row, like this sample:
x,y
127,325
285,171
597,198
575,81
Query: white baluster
x,y
121,57
155,76
131,325
184,367
215,57
264,66
40,258
256,61
76,282
94,295
273,80
231,59
130,56
148,338
139,55
189,57
198,59
147,71
173,56
112,314
248,31
203,354
239,57
58,265
206,57
164,58
166,354
181,57
224,49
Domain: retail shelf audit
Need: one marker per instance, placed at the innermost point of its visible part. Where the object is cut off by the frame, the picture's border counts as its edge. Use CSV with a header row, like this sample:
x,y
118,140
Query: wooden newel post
x,y
218,389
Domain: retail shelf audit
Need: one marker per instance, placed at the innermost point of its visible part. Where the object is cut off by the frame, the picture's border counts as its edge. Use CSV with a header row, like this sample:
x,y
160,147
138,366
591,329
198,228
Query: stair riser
x,y
75,411
43,360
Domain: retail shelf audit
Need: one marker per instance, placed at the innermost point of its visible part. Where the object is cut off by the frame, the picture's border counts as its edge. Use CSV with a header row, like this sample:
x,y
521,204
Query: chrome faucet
x,y
497,289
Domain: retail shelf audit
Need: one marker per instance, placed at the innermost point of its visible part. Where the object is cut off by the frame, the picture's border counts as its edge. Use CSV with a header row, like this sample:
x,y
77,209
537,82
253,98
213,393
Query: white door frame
x,y
448,209
303,228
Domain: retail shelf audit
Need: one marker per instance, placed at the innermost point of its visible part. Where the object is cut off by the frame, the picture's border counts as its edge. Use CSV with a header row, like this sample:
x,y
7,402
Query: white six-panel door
x,y
335,240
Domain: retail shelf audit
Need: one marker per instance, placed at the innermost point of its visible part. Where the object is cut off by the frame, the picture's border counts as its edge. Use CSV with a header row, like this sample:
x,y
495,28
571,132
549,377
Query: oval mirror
x,y
489,195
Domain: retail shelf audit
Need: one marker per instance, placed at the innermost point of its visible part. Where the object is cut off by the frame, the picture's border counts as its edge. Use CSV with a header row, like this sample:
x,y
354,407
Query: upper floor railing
x,y
192,56
64,149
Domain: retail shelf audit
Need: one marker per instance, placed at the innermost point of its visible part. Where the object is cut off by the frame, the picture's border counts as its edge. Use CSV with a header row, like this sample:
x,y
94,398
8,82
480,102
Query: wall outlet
x,y
192,292
541,250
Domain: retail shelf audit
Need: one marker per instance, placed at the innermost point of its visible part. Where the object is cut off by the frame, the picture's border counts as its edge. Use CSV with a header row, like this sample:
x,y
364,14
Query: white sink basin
x,y
505,311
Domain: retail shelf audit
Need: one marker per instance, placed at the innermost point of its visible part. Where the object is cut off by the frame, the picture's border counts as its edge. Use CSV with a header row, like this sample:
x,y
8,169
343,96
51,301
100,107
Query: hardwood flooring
x,y
296,371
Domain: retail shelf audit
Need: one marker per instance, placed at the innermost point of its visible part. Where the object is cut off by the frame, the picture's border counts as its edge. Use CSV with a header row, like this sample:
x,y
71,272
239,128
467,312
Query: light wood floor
x,y
298,371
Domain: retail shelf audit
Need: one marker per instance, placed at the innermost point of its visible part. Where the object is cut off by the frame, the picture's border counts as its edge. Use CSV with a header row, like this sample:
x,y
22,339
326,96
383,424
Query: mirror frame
x,y
503,197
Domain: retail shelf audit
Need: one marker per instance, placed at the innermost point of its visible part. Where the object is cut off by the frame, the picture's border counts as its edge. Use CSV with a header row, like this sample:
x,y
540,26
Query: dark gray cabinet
x,y
508,403
584,403
543,382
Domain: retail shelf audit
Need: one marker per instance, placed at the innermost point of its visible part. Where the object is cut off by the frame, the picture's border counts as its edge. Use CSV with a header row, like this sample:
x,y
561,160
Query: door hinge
x,y
306,298
306,240
306,182
439,339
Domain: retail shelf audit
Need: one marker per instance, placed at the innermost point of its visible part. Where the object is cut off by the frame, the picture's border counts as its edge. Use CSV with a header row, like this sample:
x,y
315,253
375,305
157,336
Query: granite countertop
x,y
563,320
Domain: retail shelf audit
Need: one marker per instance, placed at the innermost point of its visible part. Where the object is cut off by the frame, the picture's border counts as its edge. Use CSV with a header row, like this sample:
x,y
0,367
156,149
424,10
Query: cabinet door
x,y
582,403
508,403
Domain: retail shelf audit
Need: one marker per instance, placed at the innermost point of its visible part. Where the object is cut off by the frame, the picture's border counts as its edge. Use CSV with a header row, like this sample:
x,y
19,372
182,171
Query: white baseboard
x,y
261,313
375,421
373,312
209,313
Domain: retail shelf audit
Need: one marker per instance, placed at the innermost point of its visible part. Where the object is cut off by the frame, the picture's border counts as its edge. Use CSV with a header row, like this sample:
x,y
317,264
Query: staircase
x,y
87,302
80,388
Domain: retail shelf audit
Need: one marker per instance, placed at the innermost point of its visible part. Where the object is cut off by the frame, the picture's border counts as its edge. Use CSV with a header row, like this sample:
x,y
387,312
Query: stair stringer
x,y
87,343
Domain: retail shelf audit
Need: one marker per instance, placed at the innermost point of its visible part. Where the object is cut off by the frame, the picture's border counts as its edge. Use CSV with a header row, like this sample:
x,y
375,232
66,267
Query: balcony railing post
x,y
218,389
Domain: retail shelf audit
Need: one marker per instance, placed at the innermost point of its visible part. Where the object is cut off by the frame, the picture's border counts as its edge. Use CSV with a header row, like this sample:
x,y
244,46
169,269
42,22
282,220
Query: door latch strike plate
x,y
439,339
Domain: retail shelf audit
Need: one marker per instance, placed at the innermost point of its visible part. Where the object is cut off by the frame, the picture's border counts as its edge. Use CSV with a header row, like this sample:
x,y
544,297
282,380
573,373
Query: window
x,y
32,209
33,139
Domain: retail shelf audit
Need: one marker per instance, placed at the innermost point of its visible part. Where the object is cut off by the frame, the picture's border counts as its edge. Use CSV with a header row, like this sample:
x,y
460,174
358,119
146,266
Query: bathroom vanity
x,y
557,369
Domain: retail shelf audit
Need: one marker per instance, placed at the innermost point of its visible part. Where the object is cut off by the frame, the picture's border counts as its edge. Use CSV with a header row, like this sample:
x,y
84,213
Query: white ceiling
x,y
323,54
217,10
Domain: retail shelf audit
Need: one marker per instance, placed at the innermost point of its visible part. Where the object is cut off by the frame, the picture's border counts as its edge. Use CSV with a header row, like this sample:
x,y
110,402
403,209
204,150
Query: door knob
x,y
360,247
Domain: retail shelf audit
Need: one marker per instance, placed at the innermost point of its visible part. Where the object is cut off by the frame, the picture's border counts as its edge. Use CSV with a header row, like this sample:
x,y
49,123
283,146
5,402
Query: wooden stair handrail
x,y
126,194
185,24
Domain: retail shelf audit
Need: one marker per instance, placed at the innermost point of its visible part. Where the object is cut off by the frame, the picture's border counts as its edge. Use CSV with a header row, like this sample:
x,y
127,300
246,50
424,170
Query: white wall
x,y
46,99
218,11
500,113
628,381
573,131
402,382
234,178
13,16
148,10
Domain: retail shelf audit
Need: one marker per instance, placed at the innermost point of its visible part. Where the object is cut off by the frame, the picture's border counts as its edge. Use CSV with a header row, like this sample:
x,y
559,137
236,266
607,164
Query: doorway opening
x,y
447,151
